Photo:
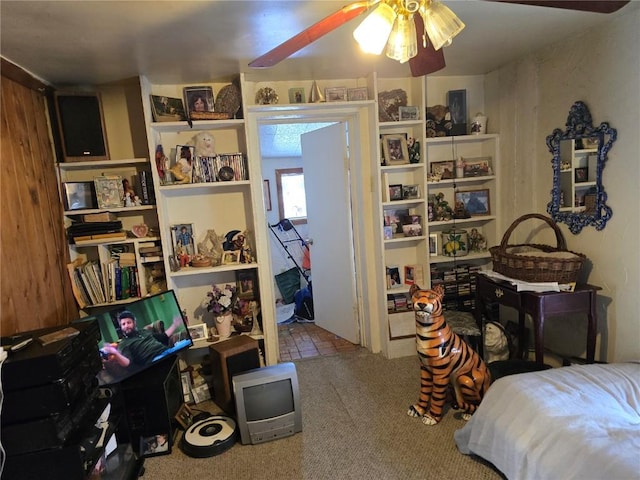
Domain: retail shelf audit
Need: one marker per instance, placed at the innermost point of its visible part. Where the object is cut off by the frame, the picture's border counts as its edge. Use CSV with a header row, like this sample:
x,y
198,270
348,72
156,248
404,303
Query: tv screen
x,y
136,335
267,403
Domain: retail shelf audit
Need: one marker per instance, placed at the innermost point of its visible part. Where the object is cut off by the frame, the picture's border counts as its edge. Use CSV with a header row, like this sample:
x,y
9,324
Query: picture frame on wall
x,y
199,100
395,149
476,202
109,191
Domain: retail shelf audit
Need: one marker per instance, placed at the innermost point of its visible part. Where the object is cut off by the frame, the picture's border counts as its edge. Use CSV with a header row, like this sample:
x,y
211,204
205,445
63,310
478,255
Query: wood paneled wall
x,y
34,285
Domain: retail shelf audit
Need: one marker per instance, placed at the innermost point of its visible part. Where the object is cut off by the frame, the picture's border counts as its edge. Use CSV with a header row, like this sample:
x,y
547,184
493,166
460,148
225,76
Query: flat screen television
x,y
137,335
267,403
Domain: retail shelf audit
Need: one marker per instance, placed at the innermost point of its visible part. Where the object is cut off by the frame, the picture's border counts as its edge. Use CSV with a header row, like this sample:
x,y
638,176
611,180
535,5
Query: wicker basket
x,y
532,267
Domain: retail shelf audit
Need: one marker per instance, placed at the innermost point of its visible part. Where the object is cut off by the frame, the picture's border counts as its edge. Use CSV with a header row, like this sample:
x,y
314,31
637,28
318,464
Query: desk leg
x,y
592,328
538,338
522,336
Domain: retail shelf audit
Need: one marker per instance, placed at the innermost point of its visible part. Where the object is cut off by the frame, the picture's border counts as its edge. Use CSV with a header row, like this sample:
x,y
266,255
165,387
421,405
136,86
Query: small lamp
x,y
403,41
374,30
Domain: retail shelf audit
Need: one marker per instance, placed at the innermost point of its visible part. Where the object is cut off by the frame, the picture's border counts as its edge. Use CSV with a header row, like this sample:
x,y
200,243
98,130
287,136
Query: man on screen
x,y
140,347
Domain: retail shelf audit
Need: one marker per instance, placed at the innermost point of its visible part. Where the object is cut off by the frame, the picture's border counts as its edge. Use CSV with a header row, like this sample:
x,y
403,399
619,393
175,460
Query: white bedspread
x,y
578,422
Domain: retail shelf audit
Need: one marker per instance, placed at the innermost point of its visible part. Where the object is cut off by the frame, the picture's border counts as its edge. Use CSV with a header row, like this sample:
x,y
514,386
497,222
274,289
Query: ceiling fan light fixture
x,y
440,23
374,30
403,41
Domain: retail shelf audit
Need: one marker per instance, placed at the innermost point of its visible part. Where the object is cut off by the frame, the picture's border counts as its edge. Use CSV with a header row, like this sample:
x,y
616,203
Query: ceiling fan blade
x,y
310,35
428,60
595,6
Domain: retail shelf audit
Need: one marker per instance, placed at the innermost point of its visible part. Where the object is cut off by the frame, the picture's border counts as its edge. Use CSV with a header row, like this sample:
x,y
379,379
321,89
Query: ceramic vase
x,y
223,324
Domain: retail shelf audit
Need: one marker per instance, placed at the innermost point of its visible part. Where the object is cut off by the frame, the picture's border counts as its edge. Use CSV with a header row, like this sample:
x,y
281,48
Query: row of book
x,y
210,169
94,283
398,302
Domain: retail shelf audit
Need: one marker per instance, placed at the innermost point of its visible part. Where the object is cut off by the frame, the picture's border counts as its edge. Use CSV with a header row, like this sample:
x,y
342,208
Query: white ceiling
x,y
93,42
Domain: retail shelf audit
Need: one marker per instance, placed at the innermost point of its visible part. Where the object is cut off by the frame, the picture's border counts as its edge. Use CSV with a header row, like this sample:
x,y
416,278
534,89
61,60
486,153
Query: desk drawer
x,y
494,292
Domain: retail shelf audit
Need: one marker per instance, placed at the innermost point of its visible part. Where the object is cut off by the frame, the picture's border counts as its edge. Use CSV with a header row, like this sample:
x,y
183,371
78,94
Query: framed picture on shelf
x,y
445,170
182,169
476,167
358,93
198,332
230,257
109,191
199,100
79,195
393,277
184,417
413,275
476,202
153,445
395,192
388,232
581,174
247,284
477,240
393,218
457,103
433,244
167,109
395,149
296,95
335,94
408,113
182,238
410,192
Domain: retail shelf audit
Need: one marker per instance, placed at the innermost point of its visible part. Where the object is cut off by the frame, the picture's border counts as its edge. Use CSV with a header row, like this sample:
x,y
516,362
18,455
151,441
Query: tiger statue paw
x,y
448,365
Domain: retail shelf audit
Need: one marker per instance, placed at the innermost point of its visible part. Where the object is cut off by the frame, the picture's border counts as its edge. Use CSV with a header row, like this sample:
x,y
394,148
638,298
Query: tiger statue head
x,y
426,302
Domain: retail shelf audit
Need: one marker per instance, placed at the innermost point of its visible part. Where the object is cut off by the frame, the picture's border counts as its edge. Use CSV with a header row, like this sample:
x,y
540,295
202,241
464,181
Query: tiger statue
x,y
445,361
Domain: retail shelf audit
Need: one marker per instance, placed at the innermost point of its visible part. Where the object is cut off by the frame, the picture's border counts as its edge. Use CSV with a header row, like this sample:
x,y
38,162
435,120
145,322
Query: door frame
x,y
360,119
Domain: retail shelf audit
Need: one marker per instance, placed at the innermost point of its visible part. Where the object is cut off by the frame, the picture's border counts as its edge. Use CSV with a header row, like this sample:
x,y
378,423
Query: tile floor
x,y
305,340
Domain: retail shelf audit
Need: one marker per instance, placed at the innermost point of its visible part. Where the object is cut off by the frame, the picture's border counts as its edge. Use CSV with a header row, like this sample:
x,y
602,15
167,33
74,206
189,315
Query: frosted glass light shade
x,y
440,23
403,41
373,32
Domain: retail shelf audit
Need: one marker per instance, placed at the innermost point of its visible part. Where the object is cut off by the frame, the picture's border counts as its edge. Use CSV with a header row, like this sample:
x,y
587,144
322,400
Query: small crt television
x,y
267,403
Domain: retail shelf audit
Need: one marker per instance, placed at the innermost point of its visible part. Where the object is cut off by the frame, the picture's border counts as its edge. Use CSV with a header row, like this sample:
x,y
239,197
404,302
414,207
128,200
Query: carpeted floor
x,y
355,426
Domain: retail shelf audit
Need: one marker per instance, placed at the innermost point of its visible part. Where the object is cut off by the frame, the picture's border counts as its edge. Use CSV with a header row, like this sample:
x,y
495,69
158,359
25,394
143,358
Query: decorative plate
x,y
228,100
266,96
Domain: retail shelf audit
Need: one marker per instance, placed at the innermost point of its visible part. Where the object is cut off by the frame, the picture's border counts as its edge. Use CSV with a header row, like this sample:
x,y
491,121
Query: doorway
x,y
313,116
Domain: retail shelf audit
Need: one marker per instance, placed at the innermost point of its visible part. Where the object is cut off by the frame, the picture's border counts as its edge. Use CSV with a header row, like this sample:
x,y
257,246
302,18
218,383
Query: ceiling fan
x,y
411,30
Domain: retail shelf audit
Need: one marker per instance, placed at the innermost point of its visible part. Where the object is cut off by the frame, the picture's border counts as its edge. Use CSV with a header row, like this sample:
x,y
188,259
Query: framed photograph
x,y
230,257
476,202
109,191
393,277
167,109
413,275
393,218
388,232
199,99
79,195
183,171
335,94
159,444
266,191
433,244
247,284
476,167
457,103
198,332
296,95
359,93
408,113
395,149
184,417
581,174
477,240
183,241
410,192
395,192
445,170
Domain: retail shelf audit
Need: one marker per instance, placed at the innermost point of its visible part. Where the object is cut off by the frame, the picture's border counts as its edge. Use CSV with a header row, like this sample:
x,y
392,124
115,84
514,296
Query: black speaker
x,y
81,126
151,400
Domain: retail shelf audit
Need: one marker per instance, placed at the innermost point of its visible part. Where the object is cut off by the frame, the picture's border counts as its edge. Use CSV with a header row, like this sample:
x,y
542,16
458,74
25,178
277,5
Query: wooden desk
x,y
540,305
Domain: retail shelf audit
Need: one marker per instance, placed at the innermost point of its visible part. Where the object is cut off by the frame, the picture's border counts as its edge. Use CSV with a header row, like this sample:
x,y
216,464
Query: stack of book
x,y
206,169
96,227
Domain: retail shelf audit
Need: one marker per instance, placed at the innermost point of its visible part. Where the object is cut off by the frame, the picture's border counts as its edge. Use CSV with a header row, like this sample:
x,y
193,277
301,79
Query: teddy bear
x,y
438,121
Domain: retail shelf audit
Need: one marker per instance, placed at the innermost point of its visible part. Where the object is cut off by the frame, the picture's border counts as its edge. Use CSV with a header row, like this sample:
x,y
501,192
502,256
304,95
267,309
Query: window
x,y
292,202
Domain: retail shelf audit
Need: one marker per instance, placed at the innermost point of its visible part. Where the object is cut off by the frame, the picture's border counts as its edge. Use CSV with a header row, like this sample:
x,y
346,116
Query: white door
x,y
325,165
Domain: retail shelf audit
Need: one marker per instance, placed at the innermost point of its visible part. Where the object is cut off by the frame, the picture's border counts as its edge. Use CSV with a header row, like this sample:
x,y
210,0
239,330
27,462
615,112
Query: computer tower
x,y
228,358
149,402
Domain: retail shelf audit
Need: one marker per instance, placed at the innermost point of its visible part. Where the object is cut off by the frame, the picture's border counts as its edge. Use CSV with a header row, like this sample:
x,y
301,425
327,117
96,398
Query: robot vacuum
x,y
209,437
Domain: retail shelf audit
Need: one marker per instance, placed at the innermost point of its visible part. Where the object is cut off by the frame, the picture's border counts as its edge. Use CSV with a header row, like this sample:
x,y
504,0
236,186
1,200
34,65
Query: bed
x,y
577,422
